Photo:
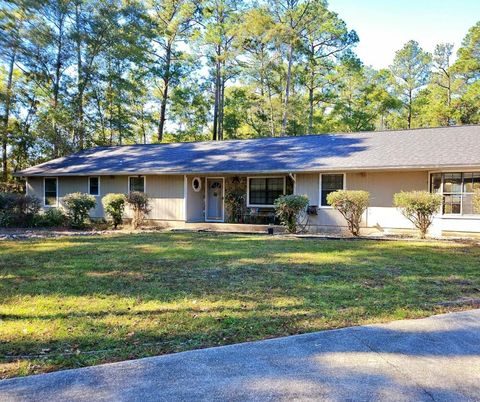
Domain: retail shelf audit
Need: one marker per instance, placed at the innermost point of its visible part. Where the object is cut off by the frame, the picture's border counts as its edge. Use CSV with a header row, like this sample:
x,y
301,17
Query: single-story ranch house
x,y
188,182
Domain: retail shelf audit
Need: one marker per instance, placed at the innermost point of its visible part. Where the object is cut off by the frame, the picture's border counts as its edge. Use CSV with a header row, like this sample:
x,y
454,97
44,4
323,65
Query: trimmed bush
x,y
18,210
78,205
288,209
53,217
351,204
476,202
114,206
418,207
139,203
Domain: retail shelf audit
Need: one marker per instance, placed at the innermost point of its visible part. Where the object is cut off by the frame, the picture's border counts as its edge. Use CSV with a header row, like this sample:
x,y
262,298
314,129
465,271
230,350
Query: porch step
x,y
229,227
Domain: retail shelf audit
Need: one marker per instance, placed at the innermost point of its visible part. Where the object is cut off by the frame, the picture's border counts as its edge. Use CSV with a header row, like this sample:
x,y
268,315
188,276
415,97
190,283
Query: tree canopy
x,y
80,73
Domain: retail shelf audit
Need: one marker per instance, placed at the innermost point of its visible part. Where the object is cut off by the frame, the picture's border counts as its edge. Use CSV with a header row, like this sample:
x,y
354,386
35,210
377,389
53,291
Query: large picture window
x,y
457,190
328,184
50,195
263,191
136,183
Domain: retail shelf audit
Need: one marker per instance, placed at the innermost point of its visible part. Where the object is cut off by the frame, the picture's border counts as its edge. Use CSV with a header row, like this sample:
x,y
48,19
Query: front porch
x,y
236,200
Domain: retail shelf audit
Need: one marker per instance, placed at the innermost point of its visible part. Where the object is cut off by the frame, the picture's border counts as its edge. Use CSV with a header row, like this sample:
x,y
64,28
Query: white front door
x,y
214,199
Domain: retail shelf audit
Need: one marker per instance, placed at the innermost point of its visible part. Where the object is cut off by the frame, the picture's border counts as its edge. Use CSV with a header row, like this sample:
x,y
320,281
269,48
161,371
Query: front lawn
x,y
78,301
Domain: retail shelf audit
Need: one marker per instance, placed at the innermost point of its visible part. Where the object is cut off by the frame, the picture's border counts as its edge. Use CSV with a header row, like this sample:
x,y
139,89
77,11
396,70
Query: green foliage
x,y
52,217
114,206
476,202
419,207
467,71
78,205
351,204
17,210
411,68
235,204
139,203
288,209
277,67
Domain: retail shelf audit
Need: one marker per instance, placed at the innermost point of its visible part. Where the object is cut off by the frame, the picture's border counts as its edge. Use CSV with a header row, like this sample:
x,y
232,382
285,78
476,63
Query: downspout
x,y
185,193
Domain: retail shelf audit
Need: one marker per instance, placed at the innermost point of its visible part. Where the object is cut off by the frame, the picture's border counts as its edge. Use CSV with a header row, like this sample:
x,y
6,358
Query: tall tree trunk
x,y
287,91
119,125
410,108
221,105
6,117
310,110
217,96
449,99
80,84
101,117
166,83
272,113
311,94
56,90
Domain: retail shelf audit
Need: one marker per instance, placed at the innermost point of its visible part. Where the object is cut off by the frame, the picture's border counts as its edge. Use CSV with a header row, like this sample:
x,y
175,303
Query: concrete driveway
x,y
436,358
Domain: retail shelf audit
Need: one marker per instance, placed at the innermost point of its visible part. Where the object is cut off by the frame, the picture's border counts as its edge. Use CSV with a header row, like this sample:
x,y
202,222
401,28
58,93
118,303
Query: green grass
x,y
78,301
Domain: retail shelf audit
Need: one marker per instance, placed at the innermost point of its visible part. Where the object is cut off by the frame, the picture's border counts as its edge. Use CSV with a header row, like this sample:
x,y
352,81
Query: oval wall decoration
x,y
196,184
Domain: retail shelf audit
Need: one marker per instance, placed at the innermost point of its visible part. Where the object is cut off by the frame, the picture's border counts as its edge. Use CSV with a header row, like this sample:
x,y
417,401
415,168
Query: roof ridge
x,y
281,137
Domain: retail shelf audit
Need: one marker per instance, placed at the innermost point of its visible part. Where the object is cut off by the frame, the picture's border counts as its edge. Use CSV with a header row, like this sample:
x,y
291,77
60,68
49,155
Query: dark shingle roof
x,y
418,148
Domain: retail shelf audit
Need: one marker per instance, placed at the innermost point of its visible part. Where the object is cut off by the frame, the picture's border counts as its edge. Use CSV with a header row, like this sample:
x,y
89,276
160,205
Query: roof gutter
x,y
254,172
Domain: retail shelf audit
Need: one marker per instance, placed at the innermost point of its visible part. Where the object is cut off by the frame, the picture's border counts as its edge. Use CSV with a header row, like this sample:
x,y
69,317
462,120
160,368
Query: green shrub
x,y
476,202
17,210
52,217
114,206
235,203
288,209
419,207
139,203
78,205
351,204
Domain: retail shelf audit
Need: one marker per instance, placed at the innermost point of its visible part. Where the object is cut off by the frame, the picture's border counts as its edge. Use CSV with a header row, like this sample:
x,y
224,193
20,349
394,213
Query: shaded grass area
x,y
77,301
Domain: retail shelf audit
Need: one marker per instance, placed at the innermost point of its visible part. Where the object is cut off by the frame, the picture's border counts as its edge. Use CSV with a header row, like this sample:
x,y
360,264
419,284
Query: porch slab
x,y
230,227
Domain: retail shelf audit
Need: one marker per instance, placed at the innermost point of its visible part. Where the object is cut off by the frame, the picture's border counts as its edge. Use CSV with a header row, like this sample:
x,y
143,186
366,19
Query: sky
x,y
384,26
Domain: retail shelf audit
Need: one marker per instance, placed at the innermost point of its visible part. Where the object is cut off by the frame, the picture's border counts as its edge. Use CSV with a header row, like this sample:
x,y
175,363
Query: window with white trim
x,y
50,196
263,191
328,184
457,189
136,183
94,185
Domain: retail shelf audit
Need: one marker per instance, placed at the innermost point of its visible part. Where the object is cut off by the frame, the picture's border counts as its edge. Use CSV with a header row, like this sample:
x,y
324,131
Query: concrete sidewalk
x,y
436,358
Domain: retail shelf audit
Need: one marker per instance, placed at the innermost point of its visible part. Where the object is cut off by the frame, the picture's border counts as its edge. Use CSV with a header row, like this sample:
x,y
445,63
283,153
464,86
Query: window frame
x,y
98,191
441,214
45,205
136,177
249,205
320,178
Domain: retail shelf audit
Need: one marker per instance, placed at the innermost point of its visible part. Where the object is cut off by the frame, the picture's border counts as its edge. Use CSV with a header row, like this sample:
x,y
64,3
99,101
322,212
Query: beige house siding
x,y
168,202
195,201
165,192
382,186
308,184
34,187
166,197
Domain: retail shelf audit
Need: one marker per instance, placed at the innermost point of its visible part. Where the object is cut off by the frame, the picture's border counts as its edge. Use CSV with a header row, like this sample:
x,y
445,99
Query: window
x,y
196,184
50,191
457,190
136,183
94,185
328,184
265,190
